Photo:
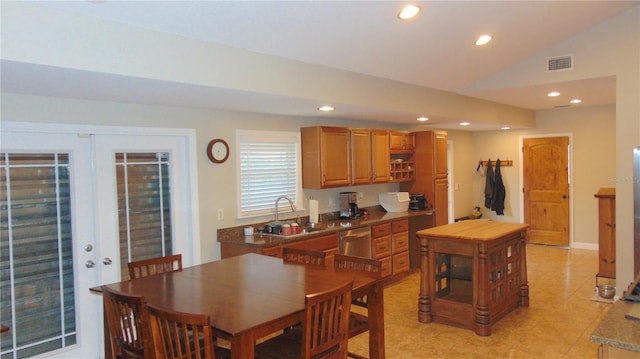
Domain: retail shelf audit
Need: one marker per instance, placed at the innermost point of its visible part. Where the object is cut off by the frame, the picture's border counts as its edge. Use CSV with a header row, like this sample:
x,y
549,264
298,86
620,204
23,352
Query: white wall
x,y
593,134
216,182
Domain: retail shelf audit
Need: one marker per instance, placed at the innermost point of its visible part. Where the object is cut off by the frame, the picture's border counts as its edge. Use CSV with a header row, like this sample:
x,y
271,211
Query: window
x,y
36,254
268,167
144,207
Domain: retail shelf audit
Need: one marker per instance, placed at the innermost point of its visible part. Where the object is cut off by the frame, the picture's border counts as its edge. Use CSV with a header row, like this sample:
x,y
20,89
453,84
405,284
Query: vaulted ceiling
x,y
435,50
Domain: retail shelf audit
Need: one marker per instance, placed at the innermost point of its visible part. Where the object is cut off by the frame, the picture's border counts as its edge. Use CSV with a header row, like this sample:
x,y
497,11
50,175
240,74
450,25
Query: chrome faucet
x,y
293,207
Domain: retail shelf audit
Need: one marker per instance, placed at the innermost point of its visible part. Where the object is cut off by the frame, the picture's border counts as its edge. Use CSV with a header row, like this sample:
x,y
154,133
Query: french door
x,y
71,216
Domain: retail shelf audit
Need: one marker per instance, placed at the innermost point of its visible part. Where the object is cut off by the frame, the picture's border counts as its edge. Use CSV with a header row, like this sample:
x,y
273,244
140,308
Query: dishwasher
x,y
356,242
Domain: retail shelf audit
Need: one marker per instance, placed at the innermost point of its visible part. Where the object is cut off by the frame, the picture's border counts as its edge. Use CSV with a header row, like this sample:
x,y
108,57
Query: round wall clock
x,y
218,150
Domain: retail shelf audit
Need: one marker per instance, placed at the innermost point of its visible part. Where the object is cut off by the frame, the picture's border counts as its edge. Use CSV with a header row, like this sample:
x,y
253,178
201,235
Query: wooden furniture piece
x,y
182,335
128,323
400,246
303,256
324,332
381,246
606,232
155,266
390,245
380,156
325,157
358,322
401,160
472,273
431,171
251,296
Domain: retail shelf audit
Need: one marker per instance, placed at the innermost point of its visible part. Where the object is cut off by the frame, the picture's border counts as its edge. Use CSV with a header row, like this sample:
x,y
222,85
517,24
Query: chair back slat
x,y
327,323
347,262
153,266
180,335
303,256
128,324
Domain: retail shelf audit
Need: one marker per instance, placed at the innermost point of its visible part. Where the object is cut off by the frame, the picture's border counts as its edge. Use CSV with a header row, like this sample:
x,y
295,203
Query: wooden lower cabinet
x,y
381,246
390,244
327,244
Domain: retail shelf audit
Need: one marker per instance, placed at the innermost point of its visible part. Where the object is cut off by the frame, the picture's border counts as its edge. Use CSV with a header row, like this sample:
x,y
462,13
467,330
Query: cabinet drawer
x,y
385,268
380,230
400,226
400,242
317,244
400,262
381,247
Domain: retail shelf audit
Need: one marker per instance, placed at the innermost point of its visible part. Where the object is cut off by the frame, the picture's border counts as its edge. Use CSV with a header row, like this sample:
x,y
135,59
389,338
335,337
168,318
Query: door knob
x,y
89,264
107,261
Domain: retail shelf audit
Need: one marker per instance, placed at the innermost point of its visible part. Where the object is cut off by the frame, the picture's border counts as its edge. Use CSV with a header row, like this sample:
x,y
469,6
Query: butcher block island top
x,y
472,273
475,230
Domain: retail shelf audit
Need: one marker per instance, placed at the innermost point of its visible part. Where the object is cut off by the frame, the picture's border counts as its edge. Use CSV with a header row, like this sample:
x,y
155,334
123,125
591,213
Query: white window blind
x,y
268,167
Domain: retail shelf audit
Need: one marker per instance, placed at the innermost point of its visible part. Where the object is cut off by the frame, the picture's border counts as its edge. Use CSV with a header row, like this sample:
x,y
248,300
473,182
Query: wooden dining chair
x,y
324,331
183,335
358,322
303,256
147,267
128,325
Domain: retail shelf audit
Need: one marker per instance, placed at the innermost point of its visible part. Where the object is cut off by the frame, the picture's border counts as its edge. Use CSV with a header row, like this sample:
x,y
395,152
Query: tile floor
x,y
557,324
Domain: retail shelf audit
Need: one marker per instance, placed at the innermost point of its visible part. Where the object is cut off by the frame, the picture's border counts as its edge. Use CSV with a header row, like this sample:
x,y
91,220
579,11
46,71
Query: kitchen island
x,y
472,273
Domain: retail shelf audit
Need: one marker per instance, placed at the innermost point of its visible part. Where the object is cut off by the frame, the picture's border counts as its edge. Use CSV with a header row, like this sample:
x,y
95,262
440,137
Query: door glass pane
x,y
144,207
36,257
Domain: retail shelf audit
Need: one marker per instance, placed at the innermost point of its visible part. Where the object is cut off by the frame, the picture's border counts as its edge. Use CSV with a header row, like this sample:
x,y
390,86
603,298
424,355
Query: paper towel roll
x,y
313,211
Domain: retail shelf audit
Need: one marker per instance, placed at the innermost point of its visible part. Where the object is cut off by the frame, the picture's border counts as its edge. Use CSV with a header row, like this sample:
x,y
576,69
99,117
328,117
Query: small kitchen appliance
x,y
417,201
348,207
394,201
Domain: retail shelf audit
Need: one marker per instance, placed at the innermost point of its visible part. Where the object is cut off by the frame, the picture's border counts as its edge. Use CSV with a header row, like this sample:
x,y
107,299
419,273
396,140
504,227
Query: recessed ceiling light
x,y
553,94
326,108
576,100
483,40
422,119
465,123
408,12
505,128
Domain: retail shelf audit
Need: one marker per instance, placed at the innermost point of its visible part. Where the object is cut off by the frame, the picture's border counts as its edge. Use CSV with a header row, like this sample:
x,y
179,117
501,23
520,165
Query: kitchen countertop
x,y
617,331
235,235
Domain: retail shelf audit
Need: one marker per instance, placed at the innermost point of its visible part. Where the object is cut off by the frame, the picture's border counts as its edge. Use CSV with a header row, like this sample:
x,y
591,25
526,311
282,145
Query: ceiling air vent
x,y
560,63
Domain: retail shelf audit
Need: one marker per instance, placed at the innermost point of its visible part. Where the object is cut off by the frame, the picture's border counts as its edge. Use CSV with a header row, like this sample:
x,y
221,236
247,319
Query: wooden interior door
x,y
546,189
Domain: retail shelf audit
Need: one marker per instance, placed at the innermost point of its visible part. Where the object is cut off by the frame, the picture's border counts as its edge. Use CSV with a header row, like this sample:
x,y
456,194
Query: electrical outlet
x,y
360,195
220,214
332,202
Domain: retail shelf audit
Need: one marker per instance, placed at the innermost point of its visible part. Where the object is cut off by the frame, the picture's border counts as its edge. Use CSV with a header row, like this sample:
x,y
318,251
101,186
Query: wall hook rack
x,y
503,163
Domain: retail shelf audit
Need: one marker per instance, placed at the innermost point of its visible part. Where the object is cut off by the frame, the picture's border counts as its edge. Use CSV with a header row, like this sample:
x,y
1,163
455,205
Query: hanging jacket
x,y
499,193
489,186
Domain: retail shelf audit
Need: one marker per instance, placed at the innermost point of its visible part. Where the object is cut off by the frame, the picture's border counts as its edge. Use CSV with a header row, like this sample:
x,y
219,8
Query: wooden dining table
x,y
251,296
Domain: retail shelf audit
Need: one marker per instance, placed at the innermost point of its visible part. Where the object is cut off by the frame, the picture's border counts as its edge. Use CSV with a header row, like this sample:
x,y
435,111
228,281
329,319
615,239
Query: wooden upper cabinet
x,y
326,160
380,156
401,141
441,154
430,158
361,156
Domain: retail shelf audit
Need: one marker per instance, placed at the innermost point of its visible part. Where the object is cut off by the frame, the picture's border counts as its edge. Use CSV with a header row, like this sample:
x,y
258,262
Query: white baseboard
x,y
582,245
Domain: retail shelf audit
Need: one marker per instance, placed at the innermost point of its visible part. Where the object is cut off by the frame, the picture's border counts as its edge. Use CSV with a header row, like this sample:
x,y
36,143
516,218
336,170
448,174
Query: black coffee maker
x,y
417,201
348,207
